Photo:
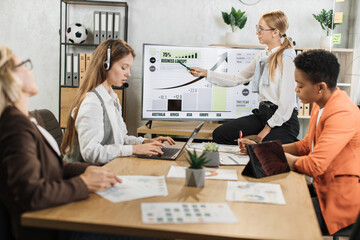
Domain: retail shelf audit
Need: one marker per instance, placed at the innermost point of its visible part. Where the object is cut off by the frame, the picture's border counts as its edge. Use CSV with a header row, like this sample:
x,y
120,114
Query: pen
x,y
185,66
240,136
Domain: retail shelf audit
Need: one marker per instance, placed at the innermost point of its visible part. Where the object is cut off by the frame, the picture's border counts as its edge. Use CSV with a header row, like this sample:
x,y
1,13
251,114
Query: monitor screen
x,y
170,92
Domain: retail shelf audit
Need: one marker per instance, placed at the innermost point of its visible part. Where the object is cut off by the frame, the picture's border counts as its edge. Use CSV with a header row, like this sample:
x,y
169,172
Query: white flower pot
x,y
195,177
326,42
213,159
232,38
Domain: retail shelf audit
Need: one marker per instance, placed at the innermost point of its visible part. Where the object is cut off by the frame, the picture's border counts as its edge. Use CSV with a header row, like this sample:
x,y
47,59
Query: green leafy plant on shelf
x,y
211,147
235,18
195,161
325,18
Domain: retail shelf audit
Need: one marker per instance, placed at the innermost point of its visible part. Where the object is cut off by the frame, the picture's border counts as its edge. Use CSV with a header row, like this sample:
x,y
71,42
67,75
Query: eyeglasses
x,y
27,63
259,29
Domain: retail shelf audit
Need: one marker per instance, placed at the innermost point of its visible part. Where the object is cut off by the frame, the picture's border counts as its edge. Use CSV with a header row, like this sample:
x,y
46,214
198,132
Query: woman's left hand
x,y
263,133
161,139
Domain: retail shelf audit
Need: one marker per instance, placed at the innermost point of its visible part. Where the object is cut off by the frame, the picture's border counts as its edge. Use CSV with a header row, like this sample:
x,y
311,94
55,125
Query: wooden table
x,y
295,220
178,129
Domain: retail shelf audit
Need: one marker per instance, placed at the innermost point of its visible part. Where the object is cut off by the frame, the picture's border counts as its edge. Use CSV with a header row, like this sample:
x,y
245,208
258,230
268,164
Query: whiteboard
x,y
169,92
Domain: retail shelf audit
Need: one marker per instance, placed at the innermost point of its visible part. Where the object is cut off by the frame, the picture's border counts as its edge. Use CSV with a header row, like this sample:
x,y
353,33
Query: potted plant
x,y
195,173
325,18
236,19
212,154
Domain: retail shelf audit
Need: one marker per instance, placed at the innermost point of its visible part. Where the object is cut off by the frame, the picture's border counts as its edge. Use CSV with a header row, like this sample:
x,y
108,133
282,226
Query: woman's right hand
x,y
198,72
99,178
242,144
151,148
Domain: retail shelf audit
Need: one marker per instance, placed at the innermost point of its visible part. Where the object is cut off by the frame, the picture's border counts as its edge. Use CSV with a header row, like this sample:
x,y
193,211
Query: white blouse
x,y
280,91
89,125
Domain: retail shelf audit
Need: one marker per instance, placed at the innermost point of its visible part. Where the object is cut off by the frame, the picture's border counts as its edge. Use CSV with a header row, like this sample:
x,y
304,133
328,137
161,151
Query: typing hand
x,y
161,139
151,148
99,178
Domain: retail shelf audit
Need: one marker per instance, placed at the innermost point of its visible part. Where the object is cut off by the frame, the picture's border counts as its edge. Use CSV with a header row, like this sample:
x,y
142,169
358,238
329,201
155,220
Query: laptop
x,y
173,153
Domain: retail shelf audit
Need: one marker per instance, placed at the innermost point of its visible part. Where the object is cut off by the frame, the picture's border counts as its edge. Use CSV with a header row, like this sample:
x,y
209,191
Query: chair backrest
x,y
5,223
355,233
51,124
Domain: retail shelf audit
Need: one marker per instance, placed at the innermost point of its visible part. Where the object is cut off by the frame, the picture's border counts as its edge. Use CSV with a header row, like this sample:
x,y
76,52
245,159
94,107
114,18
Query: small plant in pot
x,y
212,154
236,19
195,173
325,18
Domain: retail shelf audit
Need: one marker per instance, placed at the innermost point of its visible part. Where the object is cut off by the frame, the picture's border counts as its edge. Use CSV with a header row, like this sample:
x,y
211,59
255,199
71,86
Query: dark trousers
x,y
254,123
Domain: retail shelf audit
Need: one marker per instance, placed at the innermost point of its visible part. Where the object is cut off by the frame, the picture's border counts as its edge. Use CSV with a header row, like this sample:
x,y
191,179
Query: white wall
x,y
30,28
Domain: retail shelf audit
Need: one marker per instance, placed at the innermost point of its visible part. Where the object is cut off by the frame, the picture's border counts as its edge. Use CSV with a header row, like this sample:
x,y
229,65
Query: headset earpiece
x,y
107,63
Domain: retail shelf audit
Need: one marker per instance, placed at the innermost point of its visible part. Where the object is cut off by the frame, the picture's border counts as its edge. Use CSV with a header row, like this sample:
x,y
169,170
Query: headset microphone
x,y
125,85
107,63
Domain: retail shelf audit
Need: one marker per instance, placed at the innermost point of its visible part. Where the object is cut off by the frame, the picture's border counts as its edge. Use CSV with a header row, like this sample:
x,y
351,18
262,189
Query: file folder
x,y
68,77
96,27
307,109
110,25
301,109
82,62
88,60
75,70
117,25
103,23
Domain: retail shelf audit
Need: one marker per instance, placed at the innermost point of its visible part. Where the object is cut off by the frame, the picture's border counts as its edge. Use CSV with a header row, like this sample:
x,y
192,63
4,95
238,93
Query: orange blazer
x,y
334,162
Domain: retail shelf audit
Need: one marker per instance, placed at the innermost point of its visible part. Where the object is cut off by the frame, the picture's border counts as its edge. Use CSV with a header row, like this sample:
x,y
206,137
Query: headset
x,y
107,63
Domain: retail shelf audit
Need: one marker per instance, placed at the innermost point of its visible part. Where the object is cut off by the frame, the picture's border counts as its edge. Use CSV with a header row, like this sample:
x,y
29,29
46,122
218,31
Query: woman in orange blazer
x,y
330,151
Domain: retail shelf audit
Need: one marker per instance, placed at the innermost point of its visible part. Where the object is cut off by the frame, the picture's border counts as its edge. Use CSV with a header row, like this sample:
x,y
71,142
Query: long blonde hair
x,y
10,86
94,76
277,20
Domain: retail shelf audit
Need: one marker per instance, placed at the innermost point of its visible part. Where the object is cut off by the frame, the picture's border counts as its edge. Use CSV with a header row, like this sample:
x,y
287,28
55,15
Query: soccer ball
x,y
76,33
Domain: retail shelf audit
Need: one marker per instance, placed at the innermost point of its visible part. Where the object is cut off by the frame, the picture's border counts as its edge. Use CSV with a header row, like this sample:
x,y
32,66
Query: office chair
x,y
51,123
5,223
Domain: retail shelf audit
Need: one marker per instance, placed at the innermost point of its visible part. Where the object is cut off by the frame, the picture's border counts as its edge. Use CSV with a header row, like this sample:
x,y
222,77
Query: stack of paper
x,y
166,212
135,187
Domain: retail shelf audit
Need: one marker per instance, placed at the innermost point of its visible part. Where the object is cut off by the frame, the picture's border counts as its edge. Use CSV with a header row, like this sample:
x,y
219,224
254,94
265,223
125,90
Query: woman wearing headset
x,y
272,76
96,132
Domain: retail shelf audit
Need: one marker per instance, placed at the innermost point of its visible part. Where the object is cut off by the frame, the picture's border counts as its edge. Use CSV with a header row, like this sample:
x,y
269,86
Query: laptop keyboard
x,y
169,152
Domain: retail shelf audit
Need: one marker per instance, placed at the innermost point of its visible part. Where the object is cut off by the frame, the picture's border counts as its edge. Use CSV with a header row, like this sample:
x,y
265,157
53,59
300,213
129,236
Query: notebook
x,y
173,153
266,159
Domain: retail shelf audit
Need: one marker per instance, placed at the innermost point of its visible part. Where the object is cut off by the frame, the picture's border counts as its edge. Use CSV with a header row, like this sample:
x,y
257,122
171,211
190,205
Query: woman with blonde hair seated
x,y
32,173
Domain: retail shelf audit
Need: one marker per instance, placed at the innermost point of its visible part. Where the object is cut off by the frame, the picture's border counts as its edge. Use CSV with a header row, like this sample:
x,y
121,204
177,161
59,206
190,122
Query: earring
x,y
319,91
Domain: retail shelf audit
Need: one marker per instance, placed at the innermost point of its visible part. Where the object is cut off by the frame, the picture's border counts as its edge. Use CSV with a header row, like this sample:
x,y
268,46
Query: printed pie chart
x,y
210,173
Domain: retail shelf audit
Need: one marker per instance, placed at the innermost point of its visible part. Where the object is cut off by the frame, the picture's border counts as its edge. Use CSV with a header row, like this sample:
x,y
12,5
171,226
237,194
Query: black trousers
x,y
254,123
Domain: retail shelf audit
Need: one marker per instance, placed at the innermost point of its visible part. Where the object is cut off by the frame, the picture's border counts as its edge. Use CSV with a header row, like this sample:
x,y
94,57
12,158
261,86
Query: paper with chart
x,y
210,173
166,212
222,147
170,92
254,192
135,187
233,159
229,154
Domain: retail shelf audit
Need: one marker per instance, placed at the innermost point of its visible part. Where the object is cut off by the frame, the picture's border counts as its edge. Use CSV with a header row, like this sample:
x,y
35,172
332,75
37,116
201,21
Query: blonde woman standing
x,y
271,74
96,132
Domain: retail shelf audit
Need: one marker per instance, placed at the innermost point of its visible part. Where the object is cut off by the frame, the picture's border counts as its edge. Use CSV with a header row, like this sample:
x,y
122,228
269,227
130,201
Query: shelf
x,y
338,50
343,84
89,2
80,44
303,117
